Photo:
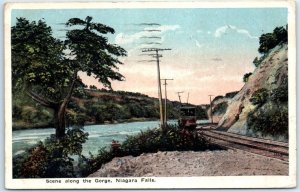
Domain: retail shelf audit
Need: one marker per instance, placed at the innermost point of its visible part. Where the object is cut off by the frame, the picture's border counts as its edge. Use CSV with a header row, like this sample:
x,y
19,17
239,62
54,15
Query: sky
x,y
211,48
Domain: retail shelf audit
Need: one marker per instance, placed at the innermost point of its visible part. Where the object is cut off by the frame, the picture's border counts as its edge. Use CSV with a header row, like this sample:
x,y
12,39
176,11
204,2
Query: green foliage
x,y
281,34
51,159
94,54
93,87
267,41
259,97
270,40
269,120
280,94
46,68
246,77
257,62
220,108
37,58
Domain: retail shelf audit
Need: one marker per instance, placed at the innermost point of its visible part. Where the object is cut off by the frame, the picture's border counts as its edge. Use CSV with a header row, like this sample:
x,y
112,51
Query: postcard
x,y
150,95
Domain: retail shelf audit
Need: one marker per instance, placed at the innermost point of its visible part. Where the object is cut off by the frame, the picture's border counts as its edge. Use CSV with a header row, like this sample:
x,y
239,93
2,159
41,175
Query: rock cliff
x,y
271,74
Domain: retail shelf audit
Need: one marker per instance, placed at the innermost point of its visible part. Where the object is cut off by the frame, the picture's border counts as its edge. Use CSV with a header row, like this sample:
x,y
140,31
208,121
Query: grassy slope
x,y
94,107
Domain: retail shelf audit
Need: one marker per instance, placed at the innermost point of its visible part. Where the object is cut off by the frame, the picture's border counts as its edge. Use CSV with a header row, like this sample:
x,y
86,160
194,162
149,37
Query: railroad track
x,y
278,150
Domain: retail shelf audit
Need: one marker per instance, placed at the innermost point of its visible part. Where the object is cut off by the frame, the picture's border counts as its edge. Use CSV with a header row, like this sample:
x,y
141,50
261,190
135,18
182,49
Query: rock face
x,y
270,74
189,163
219,107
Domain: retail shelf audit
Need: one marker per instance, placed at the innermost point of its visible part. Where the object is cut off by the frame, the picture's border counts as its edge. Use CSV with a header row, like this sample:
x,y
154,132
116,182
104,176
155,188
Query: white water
x,y
99,135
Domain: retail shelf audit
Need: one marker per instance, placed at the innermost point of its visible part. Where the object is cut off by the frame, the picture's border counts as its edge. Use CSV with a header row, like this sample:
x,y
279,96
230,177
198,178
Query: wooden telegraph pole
x,y
211,116
157,56
179,96
165,84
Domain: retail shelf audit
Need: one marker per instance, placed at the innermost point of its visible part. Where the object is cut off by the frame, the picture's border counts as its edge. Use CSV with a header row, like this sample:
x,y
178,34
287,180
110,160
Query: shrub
x,y
246,77
256,62
52,158
220,108
269,120
259,97
280,94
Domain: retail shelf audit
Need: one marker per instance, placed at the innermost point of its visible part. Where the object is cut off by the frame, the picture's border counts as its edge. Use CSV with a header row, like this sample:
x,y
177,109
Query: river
x,y
99,135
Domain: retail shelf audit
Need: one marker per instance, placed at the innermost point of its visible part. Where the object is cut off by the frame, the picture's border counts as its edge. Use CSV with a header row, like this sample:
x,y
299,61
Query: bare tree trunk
x,y
60,126
60,112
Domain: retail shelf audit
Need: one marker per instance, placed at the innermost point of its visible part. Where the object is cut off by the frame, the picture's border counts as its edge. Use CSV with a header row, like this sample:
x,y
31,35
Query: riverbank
x,y
190,163
24,126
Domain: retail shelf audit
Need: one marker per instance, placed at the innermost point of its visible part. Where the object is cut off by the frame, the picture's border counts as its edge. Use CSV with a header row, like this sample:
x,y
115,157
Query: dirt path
x,y
208,163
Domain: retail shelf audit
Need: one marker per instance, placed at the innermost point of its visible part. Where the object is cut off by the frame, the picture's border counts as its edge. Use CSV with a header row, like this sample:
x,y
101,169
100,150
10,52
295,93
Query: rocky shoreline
x,y
190,163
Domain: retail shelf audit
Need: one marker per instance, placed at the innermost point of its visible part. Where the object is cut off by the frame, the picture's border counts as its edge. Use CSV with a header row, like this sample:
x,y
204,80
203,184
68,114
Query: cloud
x,y
230,28
125,39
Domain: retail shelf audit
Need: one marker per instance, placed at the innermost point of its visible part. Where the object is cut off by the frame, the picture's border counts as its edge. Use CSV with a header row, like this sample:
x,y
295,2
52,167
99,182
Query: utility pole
x,y
187,100
212,121
165,84
179,96
157,56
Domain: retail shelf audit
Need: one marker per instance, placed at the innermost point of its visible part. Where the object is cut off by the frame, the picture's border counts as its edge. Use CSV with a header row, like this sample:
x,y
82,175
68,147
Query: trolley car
x,y
187,117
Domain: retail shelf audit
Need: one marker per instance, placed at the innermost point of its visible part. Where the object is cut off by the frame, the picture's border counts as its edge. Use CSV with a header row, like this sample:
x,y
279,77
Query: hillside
x,y
260,107
219,106
94,106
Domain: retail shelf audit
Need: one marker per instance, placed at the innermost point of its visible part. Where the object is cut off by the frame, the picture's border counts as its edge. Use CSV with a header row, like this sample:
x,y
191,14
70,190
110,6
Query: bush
x,y
51,159
246,77
269,120
259,97
257,61
280,94
220,108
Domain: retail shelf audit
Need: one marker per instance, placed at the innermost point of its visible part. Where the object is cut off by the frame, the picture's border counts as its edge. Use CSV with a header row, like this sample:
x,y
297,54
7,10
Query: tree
x,y
47,68
270,40
281,34
267,41
246,77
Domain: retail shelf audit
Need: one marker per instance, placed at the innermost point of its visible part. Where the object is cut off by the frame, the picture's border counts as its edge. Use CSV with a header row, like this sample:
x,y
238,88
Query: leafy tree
x,y
281,34
246,77
47,68
267,41
270,40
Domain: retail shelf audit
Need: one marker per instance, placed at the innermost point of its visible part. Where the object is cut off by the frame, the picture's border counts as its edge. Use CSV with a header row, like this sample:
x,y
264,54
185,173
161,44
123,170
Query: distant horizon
x,y
212,48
